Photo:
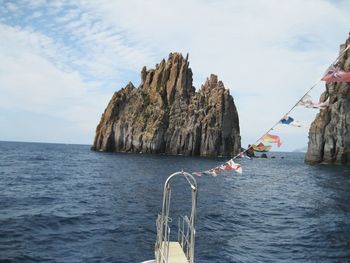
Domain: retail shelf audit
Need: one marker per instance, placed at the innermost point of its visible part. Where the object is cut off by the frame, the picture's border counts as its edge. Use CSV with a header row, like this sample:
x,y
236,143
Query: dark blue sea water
x,y
65,203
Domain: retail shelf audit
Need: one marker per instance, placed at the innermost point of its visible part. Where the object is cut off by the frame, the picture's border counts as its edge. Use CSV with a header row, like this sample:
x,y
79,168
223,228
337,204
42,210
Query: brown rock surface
x,y
329,135
166,115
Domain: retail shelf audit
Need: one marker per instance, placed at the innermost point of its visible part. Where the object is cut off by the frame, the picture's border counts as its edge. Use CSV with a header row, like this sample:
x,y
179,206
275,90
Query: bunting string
x,y
332,74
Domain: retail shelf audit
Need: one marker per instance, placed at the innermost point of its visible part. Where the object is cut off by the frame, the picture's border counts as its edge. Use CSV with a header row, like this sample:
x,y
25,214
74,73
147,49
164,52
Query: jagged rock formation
x,y
166,115
329,135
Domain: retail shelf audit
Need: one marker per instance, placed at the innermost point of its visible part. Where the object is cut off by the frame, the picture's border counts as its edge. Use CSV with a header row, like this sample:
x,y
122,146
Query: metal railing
x,y
185,231
186,226
162,243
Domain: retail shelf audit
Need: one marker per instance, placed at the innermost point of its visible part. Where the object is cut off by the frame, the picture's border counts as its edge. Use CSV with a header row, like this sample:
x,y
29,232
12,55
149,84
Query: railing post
x,y
163,231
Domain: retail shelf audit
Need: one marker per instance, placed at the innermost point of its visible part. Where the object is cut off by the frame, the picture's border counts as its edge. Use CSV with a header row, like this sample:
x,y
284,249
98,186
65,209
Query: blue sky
x,y
61,61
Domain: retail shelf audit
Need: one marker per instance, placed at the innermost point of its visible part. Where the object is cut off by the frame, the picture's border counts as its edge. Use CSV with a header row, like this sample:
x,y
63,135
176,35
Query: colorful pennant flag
x,y
272,139
197,173
243,155
261,147
215,171
235,166
212,172
287,120
290,121
226,167
334,74
307,102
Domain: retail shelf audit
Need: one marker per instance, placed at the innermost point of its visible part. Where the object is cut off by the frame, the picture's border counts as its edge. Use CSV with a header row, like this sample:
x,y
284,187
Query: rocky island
x,y
166,114
329,135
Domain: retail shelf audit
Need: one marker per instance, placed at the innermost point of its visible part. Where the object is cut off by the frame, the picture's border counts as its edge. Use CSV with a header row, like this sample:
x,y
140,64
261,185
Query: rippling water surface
x,y
64,203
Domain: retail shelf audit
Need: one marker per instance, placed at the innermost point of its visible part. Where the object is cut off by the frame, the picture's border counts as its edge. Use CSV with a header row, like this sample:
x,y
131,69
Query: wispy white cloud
x,y
31,83
82,39
271,49
11,7
36,14
61,65
268,52
34,3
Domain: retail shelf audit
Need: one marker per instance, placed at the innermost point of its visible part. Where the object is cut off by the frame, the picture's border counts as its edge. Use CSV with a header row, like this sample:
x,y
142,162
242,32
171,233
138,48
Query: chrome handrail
x,y
163,229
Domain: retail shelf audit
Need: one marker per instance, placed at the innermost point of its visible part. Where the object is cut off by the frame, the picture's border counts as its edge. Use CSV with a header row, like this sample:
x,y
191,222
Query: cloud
x,y
82,40
63,62
30,83
268,52
11,7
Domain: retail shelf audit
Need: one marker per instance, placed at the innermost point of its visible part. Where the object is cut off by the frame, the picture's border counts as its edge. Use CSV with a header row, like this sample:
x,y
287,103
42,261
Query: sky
x,y
61,61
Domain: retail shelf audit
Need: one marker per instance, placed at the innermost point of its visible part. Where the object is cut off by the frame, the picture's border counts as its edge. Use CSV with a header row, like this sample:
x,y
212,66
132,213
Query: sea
x,y
66,203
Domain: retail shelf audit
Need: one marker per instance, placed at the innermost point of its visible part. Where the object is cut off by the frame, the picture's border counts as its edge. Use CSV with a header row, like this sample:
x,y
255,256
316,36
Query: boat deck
x,y
176,254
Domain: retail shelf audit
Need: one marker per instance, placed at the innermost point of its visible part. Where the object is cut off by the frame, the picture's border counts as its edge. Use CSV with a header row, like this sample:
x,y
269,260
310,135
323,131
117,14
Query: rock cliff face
x,y
166,115
329,135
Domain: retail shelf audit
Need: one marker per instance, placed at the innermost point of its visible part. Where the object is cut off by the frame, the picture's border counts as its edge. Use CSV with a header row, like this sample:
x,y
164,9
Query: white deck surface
x,y
176,254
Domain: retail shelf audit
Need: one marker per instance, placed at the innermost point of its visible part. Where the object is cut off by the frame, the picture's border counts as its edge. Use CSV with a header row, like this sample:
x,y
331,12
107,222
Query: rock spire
x,y
329,135
166,115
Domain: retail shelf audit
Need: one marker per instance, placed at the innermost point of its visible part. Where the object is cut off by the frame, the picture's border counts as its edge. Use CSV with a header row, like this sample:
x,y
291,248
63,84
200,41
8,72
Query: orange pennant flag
x,y
272,139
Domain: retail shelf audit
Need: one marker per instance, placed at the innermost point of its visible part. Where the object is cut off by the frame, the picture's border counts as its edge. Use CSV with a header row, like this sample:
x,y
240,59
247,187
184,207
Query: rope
x,y
312,87
296,104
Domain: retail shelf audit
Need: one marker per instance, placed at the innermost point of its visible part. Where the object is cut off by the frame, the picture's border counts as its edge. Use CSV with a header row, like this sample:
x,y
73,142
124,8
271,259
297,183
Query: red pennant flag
x,y
334,74
235,166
